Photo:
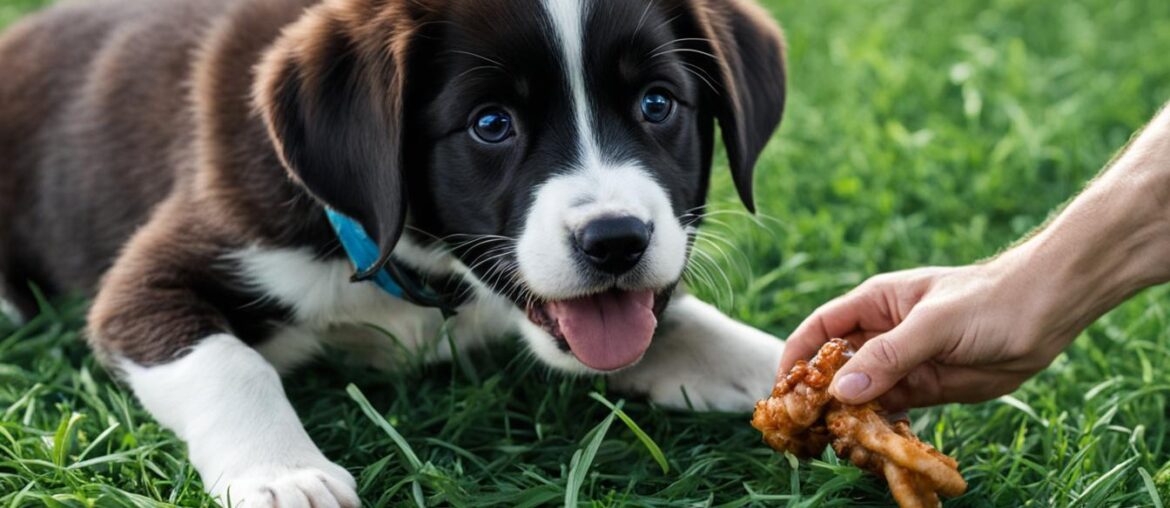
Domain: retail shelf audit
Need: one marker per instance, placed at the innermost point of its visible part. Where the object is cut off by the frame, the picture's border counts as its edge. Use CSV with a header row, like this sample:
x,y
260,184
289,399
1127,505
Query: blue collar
x,y
395,279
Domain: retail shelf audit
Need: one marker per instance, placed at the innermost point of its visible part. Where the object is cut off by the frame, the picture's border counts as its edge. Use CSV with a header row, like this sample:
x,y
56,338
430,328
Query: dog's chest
x,y
373,326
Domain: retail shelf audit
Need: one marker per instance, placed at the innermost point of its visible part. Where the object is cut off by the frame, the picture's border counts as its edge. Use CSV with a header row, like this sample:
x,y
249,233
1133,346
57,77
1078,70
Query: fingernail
x,y
851,385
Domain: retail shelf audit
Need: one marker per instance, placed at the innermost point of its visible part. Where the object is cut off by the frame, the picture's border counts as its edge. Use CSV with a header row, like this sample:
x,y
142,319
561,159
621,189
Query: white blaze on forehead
x,y
568,23
590,187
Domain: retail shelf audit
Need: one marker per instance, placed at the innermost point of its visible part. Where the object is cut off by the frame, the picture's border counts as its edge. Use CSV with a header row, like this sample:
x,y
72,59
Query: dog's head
x,y
561,149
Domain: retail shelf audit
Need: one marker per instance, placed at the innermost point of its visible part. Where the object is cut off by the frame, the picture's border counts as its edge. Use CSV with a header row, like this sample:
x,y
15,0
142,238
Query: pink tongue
x,y
607,331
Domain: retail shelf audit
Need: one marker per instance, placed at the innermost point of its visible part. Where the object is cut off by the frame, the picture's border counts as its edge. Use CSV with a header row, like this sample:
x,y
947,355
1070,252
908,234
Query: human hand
x,y
936,335
971,333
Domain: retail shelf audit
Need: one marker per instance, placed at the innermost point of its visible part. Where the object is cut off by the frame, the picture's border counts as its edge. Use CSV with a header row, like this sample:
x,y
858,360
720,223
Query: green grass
x,y
918,132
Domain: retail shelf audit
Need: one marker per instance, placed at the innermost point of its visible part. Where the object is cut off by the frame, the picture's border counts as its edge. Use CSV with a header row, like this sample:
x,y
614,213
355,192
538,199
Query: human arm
x,y
971,333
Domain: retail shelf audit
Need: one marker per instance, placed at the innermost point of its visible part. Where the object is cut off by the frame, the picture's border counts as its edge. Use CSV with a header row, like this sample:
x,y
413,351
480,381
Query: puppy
x,y
241,182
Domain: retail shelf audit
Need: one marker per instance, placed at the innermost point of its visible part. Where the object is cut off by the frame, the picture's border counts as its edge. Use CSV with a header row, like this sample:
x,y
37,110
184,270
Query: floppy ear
x,y
748,49
330,91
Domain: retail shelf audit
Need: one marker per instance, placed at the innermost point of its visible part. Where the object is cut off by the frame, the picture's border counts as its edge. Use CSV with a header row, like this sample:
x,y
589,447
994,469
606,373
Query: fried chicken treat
x,y
802,418
792,420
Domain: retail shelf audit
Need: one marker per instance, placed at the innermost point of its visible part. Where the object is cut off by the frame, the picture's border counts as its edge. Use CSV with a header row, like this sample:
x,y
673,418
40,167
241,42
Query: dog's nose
x,y
615,244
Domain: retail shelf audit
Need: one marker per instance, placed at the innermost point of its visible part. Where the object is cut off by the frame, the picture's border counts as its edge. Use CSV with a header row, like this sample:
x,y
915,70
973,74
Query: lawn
x,y
918,132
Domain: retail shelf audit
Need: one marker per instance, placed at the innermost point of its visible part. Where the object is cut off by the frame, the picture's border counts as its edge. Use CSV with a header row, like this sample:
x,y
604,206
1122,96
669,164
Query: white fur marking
x,y
10,311
568,18
545,254
328,307
242,434
591,188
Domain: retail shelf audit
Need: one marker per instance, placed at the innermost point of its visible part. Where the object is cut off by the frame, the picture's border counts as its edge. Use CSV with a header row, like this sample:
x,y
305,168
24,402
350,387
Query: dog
x,y
240,183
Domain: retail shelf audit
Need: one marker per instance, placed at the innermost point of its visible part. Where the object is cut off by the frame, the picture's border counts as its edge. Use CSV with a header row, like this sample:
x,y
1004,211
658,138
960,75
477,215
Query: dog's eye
x,y
657,105
492,126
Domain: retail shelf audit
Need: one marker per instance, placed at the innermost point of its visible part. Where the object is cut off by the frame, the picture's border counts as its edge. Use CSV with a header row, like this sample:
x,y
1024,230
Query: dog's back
x,y
95,126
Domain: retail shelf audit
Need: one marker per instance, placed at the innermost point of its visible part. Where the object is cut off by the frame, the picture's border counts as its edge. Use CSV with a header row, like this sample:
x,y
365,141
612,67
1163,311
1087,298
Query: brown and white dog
x,y
543,163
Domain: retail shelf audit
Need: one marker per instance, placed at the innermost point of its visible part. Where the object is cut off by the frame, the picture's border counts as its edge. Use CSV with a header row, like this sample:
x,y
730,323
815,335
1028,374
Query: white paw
x,y
328,486
708,373
701,394
701,391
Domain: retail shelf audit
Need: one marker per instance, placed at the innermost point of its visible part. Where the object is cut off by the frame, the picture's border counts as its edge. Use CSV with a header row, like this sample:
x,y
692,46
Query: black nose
x,y
615,244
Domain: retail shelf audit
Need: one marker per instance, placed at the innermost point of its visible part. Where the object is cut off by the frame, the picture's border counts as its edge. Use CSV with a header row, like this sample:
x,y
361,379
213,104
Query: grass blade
x,y
1151,488
1106,481
415,464
64,438
356,394
583,459
651,446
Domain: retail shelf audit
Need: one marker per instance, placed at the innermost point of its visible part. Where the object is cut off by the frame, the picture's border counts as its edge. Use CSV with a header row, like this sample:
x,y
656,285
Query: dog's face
x,y
560,148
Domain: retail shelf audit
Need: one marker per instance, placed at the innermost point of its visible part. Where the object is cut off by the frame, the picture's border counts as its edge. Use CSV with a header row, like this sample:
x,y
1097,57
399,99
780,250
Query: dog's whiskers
x,y
479,68
456,235
692,68
642,20
473,54
679,40
497,249
698,275
494,254
712,238
488,244
684,50
707,265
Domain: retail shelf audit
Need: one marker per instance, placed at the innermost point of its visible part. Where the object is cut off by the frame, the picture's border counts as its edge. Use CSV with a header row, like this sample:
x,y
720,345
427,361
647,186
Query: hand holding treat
x,y
802,418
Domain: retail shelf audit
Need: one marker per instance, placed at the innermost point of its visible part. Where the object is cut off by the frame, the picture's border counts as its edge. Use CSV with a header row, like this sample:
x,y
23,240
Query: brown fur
x,y
141,141
733,33
149,134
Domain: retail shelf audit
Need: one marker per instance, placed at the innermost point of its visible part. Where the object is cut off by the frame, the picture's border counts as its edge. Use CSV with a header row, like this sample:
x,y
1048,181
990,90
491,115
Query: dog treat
x,y
802,418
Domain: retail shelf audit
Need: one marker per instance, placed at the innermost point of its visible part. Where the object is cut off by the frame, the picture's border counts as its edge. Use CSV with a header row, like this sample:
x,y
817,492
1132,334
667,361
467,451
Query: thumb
x,y
886,359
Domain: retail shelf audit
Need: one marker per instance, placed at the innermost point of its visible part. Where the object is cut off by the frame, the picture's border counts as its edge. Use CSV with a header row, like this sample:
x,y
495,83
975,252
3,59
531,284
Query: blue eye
x,y
657,106
492,126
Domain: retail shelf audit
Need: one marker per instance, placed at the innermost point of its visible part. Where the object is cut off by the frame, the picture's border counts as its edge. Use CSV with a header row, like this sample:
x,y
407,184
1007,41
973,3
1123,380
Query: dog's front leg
x,y
164,318
701,355
242,434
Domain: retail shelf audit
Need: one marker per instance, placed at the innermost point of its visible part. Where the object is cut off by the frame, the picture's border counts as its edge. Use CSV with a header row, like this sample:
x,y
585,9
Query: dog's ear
x,y
743,48
330,91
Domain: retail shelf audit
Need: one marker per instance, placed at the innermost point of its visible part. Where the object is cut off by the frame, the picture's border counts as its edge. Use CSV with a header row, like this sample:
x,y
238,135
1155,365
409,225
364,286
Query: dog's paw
x,y
699,390
328,486
728,376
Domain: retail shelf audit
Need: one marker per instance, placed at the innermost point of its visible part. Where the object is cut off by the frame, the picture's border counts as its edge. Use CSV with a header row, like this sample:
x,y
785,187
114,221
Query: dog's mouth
x,y
605,331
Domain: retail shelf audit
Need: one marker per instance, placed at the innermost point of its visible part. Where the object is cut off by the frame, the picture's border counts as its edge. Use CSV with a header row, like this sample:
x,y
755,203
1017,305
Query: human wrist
x,y
1128,211
1110,243
1145,163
